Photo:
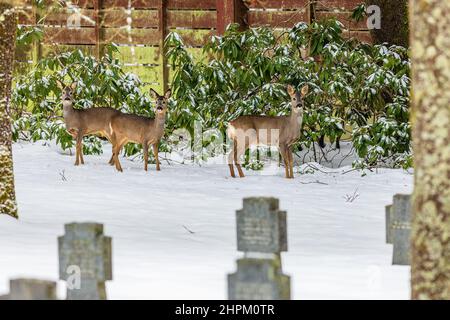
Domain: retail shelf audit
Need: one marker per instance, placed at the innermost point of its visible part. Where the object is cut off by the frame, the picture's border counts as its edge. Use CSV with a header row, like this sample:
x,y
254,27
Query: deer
x,y
279,131
83,122
139,129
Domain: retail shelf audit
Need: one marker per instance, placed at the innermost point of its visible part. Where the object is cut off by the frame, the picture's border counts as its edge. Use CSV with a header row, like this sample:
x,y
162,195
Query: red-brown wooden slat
x,y
277,19
138,36
191,4
64,18
70,36
139,18
193,38
26,17
276,4
344,18
170,4
337,4
137,4
77,3
364,36
192,19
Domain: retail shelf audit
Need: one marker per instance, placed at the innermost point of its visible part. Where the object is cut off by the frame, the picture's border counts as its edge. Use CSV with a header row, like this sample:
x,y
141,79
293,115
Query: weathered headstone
x,y
401,229
31,289
85,261
261,229
261,226
259,279
389,224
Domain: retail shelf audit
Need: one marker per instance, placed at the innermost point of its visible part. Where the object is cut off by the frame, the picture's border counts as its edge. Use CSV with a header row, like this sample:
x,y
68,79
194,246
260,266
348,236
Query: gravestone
x,y
388,224
401,229
259,279
261,230
85,261
261,226
31,289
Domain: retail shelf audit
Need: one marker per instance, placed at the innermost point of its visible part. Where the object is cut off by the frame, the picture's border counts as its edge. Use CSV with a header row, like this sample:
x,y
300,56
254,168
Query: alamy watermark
x,y
373,17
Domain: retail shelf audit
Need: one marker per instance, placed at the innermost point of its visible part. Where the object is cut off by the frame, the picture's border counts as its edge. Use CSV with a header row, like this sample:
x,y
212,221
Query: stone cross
x,y
261,226
388,224
401,229
30,289
85,261
259,279
261,234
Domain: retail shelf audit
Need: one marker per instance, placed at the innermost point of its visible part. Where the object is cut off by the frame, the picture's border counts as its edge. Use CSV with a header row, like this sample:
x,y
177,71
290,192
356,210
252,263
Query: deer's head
x,y
297,98
161,101
67,91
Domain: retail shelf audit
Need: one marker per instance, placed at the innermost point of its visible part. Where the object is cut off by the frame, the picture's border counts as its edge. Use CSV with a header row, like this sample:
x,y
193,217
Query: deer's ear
x,y
305,90
291,90
154,94
168,94
60,84
73,86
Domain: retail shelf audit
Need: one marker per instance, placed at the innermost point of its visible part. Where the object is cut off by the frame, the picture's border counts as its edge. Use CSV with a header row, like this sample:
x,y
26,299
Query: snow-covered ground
x,y
337,248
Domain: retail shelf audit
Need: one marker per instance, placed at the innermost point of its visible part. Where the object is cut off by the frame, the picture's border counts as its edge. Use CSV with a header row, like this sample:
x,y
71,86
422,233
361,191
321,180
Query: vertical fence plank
x,y
225,14
97,7
37,51
162,14
230,11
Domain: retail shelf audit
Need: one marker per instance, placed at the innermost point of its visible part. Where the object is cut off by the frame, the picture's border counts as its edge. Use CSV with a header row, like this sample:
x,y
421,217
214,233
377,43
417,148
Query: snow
x,y
337,248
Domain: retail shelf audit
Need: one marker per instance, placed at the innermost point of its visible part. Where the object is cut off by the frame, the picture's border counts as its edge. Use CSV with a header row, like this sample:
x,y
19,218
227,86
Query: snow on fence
x,y
262,236
140,29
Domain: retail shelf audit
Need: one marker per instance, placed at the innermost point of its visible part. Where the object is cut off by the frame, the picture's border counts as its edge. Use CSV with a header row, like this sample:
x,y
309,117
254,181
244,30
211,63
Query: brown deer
x,y
80,123
143,130
281,131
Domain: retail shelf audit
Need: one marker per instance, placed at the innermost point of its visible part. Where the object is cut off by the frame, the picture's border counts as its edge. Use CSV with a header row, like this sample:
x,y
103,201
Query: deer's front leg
x,y
78,141
284,156
291,162
81,150
155,153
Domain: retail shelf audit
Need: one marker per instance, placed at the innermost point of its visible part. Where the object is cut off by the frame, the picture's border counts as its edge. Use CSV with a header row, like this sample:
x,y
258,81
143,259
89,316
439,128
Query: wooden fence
x,y
140,26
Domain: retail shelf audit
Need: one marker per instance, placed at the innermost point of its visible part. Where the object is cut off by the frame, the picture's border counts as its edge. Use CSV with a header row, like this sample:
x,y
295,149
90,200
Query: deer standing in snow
x,y
280,131
83,122
138,129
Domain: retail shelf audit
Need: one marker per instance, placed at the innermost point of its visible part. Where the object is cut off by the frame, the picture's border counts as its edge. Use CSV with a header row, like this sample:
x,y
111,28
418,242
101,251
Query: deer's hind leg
x,y
111,161
231,156
238,153
116,151
145,151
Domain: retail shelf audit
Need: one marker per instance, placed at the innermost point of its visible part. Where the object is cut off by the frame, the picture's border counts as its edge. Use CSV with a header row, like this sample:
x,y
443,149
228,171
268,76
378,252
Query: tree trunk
x,y
430,34
394,22
8,25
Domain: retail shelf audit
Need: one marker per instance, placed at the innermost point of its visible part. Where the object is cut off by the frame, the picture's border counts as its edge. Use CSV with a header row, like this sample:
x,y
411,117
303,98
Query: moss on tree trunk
x,y
394,22
430,49
8,25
